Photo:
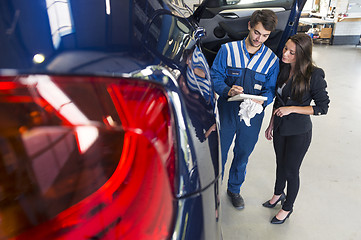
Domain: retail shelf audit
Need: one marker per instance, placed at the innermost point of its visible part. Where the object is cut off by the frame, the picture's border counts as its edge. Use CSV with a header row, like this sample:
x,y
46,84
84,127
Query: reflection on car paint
x,y
198,76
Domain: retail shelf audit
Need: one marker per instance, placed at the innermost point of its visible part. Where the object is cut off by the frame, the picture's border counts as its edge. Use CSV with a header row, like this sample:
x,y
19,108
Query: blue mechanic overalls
x,y
257,76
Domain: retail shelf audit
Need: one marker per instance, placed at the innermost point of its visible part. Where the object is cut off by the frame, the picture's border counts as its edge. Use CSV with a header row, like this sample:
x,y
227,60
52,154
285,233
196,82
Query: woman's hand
x,y
283,111
269,132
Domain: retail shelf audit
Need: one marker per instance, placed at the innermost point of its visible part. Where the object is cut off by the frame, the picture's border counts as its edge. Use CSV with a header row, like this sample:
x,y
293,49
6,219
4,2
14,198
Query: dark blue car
x,y
108,126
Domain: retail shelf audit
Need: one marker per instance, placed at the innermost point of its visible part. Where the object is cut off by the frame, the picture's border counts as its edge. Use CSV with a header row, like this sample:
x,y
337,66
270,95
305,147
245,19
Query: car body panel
x,y
75,40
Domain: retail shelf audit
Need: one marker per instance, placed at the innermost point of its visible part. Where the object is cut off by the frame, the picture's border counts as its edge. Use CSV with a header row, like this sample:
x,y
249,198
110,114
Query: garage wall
x,y
348,26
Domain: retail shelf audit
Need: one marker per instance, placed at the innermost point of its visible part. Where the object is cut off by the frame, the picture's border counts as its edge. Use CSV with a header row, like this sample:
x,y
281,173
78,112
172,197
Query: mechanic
x,y
249,67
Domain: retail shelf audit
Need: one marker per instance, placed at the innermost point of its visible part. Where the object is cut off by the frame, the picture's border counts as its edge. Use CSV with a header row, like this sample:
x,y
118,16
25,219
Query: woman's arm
x,y
269,130
319,95
284,111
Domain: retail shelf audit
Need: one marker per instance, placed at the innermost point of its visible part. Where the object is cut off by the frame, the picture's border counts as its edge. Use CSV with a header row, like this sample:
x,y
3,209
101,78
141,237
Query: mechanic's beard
x,y
254,45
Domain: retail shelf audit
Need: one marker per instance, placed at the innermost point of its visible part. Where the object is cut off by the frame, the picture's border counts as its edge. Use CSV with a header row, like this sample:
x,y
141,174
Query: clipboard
x,y
243,96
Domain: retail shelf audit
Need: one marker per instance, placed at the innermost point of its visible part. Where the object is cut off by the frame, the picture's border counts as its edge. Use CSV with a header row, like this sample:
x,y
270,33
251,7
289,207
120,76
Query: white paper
x,y
242,96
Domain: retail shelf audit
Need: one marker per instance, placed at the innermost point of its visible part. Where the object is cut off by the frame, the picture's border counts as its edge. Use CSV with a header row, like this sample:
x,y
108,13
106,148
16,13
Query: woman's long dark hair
x,y
303,67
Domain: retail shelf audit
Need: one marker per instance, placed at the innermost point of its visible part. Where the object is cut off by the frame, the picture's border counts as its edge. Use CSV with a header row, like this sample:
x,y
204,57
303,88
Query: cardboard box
x,y
326,33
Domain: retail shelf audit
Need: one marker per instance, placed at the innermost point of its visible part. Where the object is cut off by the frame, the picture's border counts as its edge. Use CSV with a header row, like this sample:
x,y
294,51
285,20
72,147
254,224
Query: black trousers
x,y
290,151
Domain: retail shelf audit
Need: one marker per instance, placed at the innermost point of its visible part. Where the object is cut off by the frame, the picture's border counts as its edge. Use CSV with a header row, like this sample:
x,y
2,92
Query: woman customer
x,y
299,82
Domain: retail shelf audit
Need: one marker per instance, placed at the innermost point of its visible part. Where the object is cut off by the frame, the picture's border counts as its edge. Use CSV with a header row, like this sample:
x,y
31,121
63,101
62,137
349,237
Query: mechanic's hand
x,y
235,90
258,101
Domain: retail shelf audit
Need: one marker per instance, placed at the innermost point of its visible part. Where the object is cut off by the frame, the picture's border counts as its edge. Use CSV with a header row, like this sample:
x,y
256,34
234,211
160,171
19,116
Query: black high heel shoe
x,y
277,221
282,198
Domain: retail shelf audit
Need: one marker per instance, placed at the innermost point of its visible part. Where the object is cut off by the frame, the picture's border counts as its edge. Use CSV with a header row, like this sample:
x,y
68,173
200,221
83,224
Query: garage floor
x,y
328,205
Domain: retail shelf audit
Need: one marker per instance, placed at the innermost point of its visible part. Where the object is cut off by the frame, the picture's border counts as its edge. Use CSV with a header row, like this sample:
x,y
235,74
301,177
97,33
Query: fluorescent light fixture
x,y
107,6
38,58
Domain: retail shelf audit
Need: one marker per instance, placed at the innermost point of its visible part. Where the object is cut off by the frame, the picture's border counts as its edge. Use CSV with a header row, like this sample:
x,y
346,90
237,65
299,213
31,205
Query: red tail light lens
x,y
85,158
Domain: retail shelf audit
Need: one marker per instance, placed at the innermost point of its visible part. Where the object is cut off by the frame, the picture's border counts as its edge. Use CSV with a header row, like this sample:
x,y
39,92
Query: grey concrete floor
x,y
328,205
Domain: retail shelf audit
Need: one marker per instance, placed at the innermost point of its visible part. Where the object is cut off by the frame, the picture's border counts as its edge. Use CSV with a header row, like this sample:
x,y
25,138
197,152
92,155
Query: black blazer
x,y
294,123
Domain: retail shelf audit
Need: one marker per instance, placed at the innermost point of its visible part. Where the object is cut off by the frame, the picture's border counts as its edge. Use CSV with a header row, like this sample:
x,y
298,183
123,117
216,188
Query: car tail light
x,y
99,168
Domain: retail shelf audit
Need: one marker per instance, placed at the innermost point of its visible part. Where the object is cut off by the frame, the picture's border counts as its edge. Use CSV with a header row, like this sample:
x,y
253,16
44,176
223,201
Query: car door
x,y
227,20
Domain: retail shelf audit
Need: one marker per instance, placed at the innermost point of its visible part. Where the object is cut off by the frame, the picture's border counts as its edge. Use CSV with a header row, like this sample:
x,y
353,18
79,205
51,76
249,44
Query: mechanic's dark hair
x,y
267,17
